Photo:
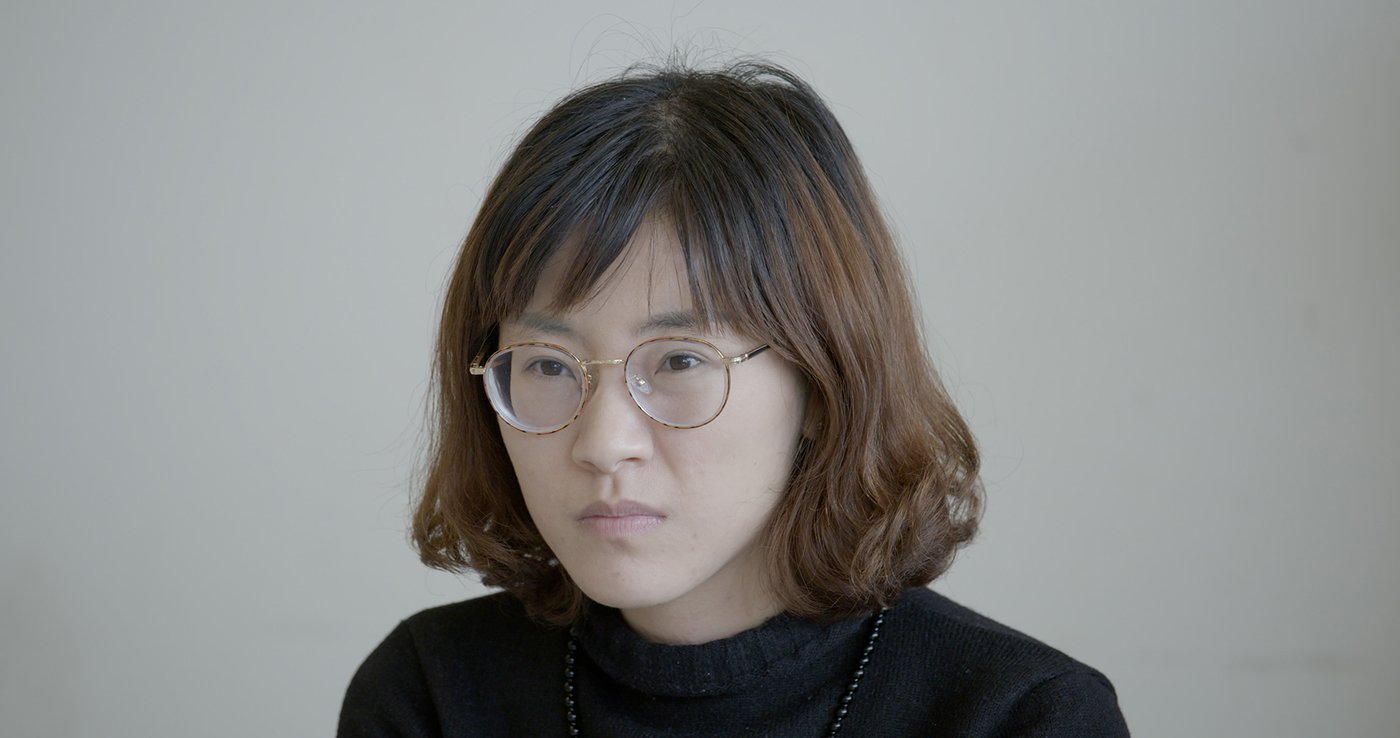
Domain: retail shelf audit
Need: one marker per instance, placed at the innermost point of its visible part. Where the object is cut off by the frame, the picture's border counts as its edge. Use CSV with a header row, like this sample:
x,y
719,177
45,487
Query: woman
x,y
686,423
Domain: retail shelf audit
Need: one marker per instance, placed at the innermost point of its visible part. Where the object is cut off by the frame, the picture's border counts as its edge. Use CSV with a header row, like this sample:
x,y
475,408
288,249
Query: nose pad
x,y
638,384
612,429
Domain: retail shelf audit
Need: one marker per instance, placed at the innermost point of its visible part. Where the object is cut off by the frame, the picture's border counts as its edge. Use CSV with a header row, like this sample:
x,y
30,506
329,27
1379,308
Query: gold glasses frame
x,y
478,368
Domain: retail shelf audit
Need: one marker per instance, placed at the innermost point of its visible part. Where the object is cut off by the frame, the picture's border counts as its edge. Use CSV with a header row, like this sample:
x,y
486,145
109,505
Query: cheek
x,y
749,446
538,461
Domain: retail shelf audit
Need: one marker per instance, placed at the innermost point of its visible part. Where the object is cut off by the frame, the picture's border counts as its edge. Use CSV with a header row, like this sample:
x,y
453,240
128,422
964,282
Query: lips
x,y
620,519
623,509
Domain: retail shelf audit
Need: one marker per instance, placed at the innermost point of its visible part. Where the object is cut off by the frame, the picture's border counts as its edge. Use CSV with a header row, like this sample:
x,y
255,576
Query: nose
x,y
612,431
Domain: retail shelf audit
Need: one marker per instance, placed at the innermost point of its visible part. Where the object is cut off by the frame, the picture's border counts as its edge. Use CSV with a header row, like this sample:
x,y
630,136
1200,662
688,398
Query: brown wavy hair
x,y
782,236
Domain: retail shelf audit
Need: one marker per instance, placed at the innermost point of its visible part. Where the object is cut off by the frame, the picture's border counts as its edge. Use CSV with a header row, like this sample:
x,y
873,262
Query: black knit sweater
x,y
482,668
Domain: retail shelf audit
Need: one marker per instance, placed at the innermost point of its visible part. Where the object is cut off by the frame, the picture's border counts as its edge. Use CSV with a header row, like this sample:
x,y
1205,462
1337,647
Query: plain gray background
x,y
1156,245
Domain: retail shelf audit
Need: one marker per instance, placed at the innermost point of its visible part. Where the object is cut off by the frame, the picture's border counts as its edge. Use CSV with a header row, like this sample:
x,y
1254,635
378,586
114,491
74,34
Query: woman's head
x,y
730,206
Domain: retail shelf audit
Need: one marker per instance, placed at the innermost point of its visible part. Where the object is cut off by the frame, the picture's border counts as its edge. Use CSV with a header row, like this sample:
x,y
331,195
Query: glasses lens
x,y
679,383
535,388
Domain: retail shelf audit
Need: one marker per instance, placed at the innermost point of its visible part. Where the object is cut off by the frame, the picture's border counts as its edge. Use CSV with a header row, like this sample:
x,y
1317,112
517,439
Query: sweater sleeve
x,y
1075,703
388,696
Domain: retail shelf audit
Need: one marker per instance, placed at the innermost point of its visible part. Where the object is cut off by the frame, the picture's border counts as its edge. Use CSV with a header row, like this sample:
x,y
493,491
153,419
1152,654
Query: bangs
x,y
716,302
718,240
746,166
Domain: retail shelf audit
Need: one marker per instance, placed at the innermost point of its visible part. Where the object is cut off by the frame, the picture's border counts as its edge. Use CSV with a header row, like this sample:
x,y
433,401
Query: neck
x,y
687,622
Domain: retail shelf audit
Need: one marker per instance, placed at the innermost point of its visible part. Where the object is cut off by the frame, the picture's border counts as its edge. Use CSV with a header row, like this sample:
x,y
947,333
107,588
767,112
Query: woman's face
x,y
659,522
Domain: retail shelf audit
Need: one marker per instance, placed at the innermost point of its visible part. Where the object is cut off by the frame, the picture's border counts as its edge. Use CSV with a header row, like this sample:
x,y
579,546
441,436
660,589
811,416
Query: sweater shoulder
x,y
491,635
494,613
982,677
977,640
451,667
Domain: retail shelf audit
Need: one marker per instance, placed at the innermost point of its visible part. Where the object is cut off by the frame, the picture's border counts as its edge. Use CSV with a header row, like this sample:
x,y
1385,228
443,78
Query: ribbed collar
x,y
781,646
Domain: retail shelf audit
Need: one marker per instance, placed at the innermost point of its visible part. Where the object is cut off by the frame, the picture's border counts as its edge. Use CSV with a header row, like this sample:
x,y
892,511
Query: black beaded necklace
x,y
571,704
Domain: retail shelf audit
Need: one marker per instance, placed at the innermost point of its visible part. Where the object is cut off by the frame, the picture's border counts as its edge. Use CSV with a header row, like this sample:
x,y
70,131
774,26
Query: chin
x,y
624,595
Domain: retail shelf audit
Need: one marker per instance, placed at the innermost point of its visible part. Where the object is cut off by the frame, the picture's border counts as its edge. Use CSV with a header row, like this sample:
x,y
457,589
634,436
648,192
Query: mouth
x,y
620,519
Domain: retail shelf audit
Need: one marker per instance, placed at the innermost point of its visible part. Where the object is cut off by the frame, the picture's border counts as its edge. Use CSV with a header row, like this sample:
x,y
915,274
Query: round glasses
x,y
542,388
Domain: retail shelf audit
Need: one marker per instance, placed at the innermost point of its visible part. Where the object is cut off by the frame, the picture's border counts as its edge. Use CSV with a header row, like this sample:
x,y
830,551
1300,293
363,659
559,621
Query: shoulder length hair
x,y
782,236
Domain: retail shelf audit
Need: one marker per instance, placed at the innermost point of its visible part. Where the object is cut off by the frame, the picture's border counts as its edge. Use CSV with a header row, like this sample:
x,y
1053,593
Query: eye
x,y
546,367
679,362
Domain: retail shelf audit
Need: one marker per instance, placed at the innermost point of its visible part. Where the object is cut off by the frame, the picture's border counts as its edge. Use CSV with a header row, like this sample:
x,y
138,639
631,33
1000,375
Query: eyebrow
x,y
671,320
545,324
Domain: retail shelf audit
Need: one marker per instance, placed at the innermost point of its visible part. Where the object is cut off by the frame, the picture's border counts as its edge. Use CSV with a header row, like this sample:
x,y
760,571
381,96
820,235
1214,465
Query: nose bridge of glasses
x,y
588,365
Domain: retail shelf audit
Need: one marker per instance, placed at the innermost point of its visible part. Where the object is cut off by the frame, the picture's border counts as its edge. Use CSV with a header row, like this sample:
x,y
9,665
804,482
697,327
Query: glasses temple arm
x,y
746,356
